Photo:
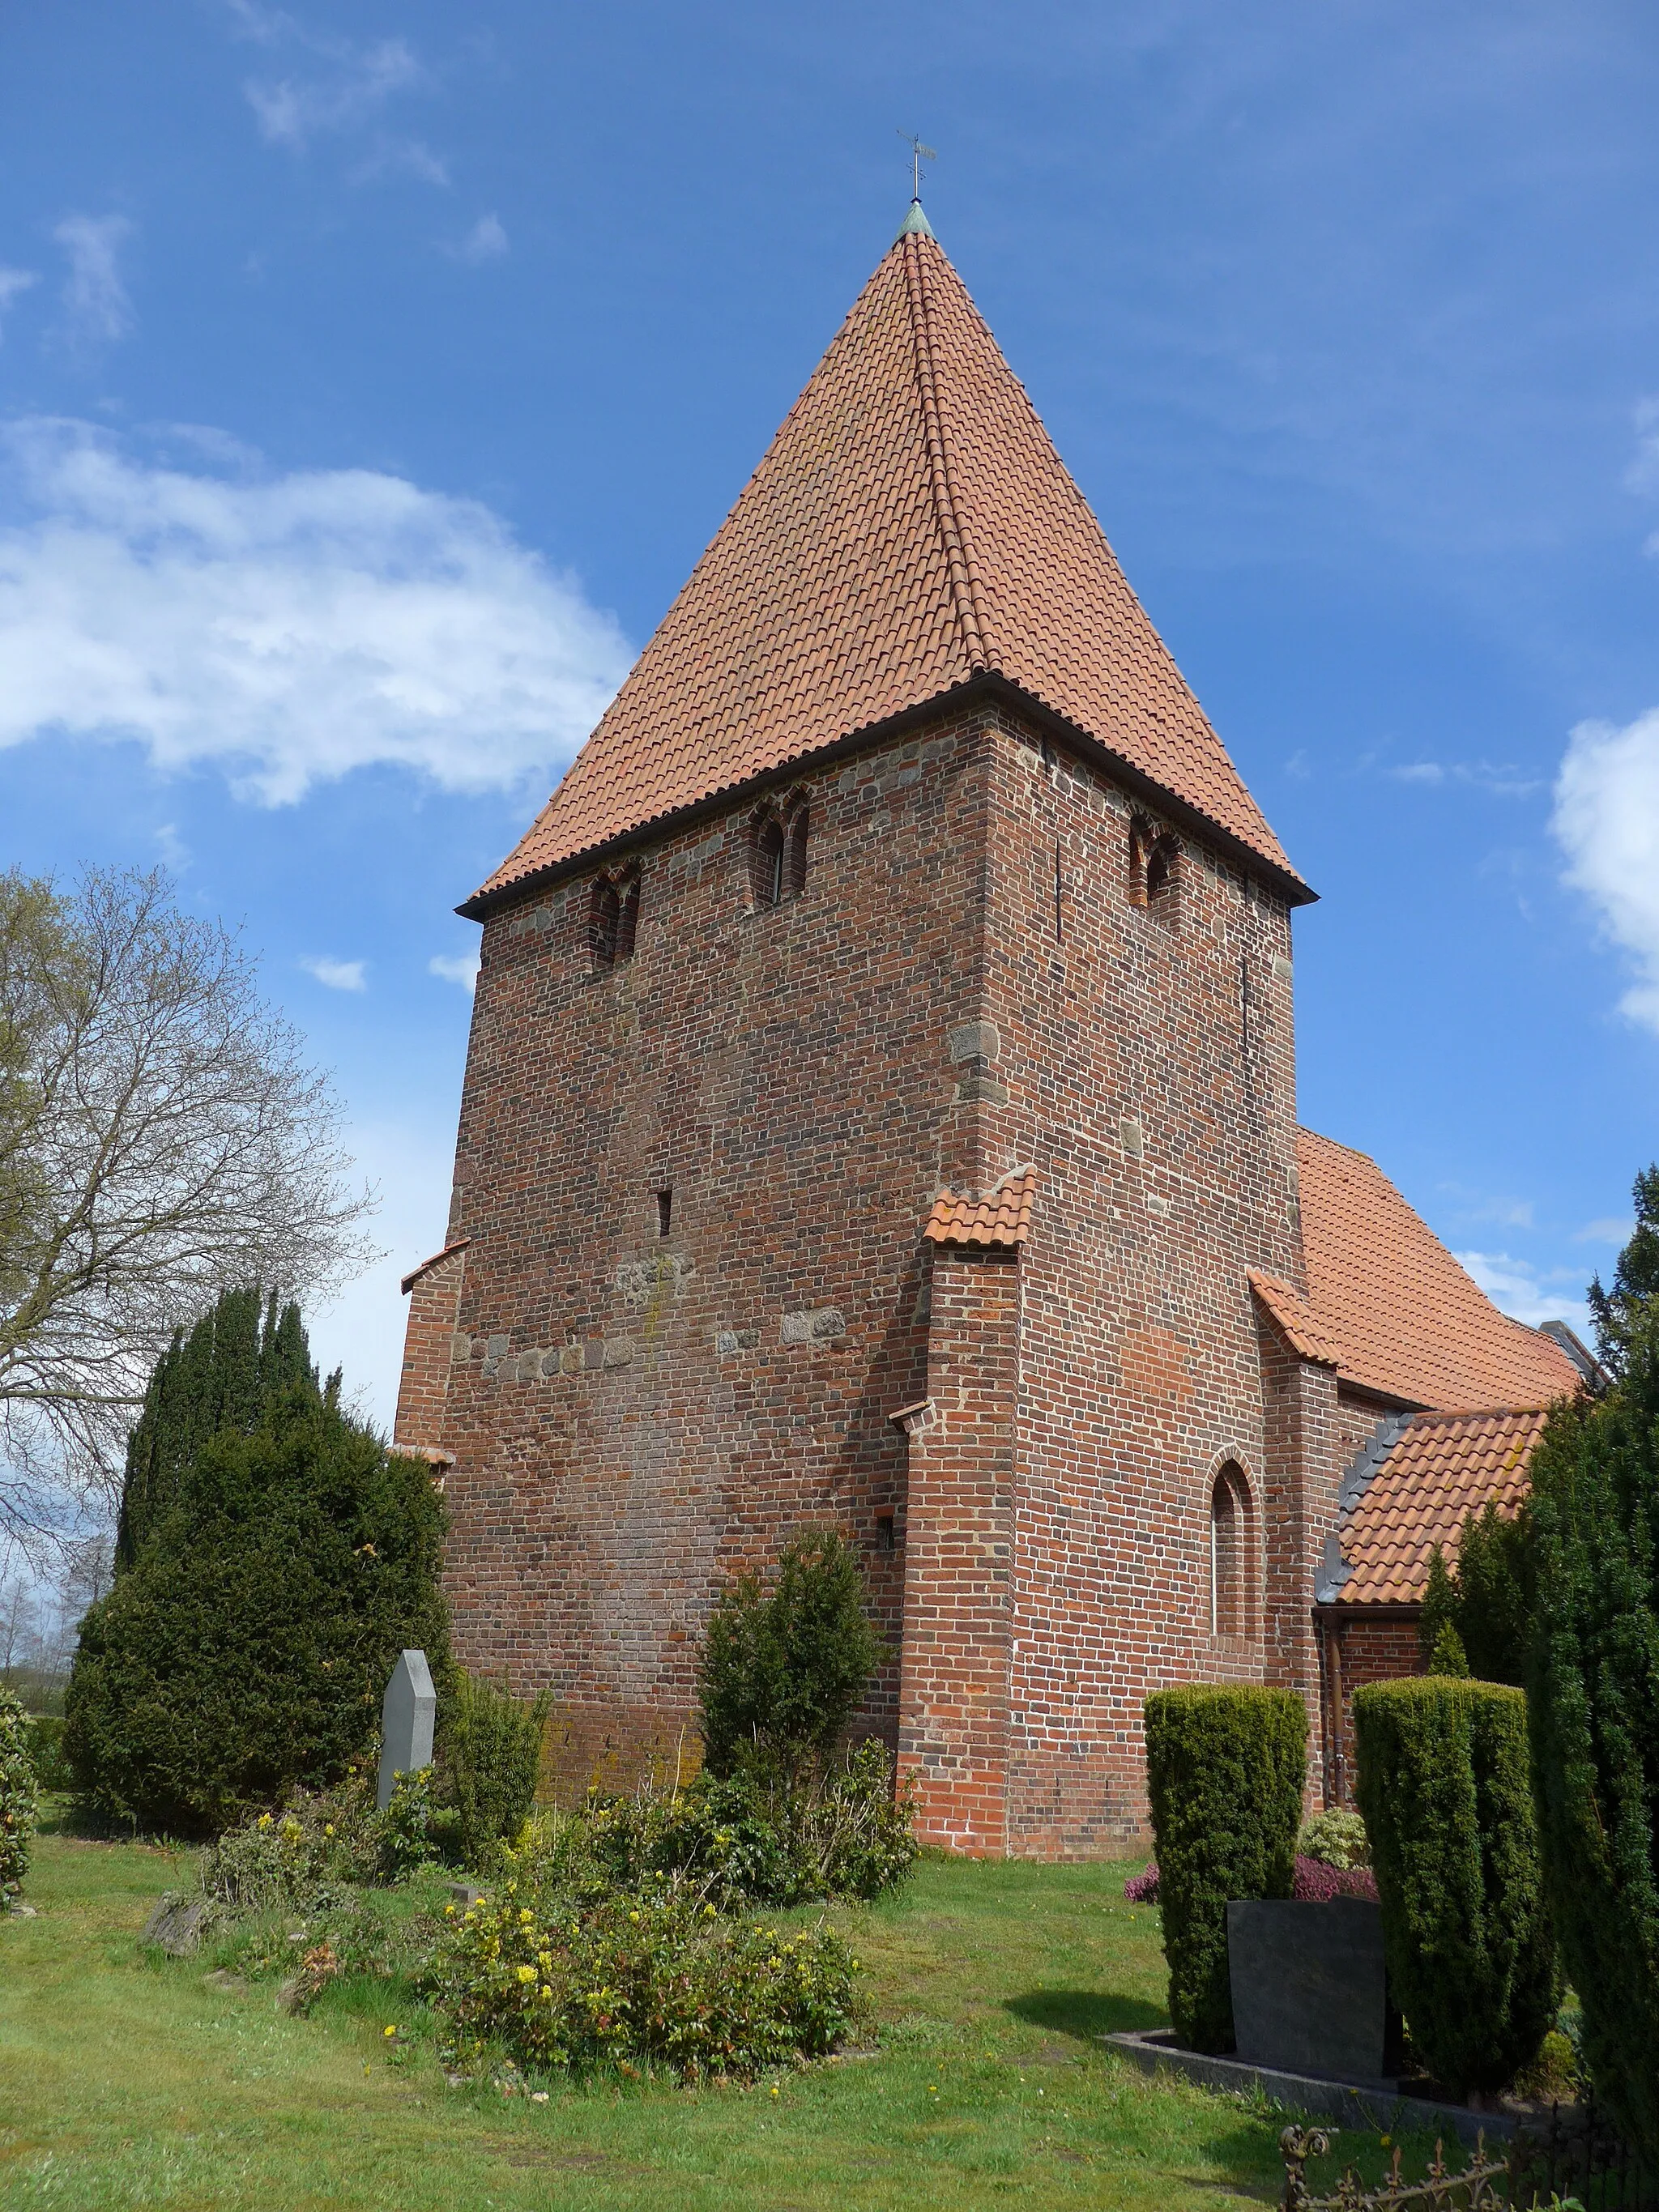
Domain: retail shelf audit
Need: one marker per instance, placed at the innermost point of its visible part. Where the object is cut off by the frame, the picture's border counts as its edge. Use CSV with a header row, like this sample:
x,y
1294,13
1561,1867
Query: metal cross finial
x,y
919,154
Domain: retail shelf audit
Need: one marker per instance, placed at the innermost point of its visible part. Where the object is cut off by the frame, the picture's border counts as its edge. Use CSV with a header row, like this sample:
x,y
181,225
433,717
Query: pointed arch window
x,y
613,917
768,863
1232,1610
1154,869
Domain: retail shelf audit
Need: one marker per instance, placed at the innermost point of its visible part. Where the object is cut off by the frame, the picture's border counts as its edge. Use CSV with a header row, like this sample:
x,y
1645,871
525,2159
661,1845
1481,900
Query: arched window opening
x,y
1229,1554
794,867
628,919
1163,877
770,863
1140,841
604,922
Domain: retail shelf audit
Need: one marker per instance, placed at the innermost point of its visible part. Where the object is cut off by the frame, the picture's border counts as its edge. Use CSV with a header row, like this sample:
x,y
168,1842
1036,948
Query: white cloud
x,y
353,86
1500,779
12,282
413,155
1518,1289
485,241
96,307
1607,821
1613,1228
462,969
289,628
175,854
337,975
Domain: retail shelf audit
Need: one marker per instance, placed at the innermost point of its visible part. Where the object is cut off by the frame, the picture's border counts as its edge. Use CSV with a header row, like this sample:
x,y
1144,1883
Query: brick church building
x,y
881,1109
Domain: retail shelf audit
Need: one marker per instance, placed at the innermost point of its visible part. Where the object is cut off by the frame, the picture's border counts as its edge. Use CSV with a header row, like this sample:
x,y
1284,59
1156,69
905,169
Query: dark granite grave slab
x,y
1310,1990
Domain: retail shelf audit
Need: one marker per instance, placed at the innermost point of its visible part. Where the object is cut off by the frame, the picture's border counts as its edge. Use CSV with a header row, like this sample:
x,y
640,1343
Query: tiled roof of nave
x,y
1406,1319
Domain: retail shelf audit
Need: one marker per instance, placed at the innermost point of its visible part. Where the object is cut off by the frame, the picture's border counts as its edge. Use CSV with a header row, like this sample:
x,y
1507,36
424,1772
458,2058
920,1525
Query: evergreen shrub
x,y
1226,1768
1594,1692
246,1649
20,1801
491,1760
783,1671
1443,1786
1482,1614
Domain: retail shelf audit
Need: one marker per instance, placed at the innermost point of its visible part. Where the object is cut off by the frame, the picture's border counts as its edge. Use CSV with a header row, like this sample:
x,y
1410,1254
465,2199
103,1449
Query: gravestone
x,y
1308,1988
406,1715
176,1925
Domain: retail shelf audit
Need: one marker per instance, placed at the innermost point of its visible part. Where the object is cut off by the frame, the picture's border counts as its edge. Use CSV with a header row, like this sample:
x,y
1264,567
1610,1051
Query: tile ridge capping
x,y
1360,1473
436,1260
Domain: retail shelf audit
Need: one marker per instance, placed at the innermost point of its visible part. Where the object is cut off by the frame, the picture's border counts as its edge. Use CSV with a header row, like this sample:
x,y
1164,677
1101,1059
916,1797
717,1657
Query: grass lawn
x,y
129,2080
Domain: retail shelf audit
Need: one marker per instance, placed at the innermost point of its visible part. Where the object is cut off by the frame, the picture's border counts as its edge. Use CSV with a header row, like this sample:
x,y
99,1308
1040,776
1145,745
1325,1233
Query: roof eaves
x,y
436,1260
989,684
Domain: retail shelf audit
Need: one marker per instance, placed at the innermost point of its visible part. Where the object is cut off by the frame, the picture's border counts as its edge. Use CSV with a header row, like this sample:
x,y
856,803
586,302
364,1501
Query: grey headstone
x,y
176,1925
1310,1992
406,1717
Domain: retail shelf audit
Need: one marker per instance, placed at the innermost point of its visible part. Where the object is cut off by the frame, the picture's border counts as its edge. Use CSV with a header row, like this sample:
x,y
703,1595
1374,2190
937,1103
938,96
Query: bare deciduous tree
x,y
161,1139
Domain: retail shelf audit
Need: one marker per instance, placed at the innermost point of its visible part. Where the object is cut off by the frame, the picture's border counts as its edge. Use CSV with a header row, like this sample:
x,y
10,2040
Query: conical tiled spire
x,y
910,528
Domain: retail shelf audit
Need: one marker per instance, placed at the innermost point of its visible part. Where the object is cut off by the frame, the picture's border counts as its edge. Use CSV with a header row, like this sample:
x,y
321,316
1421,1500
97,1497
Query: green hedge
x,y
1444,1788
1225,1769
491,1761
1594,1701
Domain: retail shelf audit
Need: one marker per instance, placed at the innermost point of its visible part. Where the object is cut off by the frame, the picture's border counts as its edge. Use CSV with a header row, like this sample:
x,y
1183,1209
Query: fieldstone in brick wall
x,y
730,1341
819,1327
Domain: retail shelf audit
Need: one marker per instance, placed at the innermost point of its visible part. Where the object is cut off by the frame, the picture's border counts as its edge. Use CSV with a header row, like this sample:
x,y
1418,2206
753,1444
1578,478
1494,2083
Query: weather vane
x,y
919,154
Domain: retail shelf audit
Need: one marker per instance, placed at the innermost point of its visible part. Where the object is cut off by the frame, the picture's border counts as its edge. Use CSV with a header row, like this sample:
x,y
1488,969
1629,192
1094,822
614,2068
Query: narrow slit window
x,y
1230,1555
664,1212
886,1540
604,920
627,921
794,872
769,863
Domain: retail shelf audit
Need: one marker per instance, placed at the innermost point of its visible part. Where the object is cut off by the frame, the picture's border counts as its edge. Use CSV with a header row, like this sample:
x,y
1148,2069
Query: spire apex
x,y
915,224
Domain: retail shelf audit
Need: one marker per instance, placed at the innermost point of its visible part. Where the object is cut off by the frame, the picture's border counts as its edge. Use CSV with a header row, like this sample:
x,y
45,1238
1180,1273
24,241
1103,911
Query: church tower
x,y
880,1109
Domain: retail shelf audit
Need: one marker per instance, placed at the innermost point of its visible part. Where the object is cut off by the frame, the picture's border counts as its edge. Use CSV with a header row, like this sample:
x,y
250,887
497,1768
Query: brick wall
x,y
965,985
636,1415
1360,1644
435,1294
953,1698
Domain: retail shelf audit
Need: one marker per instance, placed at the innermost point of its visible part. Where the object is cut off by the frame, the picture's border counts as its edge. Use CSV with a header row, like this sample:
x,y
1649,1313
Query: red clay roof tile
x,y
1406,1320
1295,1320
910,526
1444,1466
1000,1216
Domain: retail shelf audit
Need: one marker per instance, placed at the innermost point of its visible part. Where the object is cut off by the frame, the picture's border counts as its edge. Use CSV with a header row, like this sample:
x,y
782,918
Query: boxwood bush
x,y
1226,1768
1444,1788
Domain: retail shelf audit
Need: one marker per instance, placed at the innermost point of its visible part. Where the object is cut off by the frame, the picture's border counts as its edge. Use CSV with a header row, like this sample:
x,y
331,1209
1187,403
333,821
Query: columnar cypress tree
x,y
1594,1687
236,1364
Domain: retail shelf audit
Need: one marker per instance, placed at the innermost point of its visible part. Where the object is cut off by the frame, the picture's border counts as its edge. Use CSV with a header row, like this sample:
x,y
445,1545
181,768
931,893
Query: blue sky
x,y
371,376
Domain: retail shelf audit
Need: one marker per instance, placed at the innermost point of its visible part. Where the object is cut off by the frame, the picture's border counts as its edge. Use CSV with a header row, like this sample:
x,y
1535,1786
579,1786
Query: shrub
x,y
491,1760
649,1981
1337,1836
1316,1881
746,1838
46,1744
1443,1784
782,1674
20,1802
1594,1691
1478,1621
1142,1889
1224,1771
246,1649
